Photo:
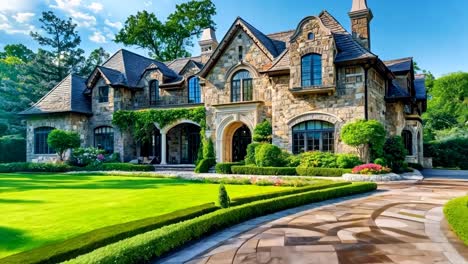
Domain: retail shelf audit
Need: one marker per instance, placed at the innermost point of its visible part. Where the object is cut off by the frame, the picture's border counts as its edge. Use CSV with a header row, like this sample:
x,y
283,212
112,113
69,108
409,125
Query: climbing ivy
x,y
141,123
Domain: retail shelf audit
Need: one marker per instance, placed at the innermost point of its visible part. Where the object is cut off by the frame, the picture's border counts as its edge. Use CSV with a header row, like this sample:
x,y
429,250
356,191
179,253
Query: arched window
x,y
408,141
154,92
194,90
241,86
311,66
313,135
40,140
104,138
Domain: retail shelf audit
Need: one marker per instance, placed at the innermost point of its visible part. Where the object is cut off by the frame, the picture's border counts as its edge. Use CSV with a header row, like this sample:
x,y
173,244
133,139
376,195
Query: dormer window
x,y
154,92
311,36
311,66
103,94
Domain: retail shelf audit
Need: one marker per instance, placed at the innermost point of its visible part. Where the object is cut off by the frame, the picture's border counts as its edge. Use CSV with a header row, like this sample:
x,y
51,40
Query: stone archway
x,y
236,138
225,132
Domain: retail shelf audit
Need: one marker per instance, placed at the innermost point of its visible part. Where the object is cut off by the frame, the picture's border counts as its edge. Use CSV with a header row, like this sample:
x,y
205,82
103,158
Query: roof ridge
x,y
268,38
280,32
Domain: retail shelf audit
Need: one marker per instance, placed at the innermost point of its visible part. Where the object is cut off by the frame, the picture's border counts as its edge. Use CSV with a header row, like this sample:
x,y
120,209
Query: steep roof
x,y
400,65
420,86
396,92
178,65
67,96
268,43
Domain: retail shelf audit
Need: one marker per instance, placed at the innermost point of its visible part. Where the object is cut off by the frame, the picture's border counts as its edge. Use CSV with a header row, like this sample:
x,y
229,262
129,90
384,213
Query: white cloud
x,y
117,24
23,17
66,5
82,19
148,3
98,37
96,7
3,18
17,5
75,10
9,29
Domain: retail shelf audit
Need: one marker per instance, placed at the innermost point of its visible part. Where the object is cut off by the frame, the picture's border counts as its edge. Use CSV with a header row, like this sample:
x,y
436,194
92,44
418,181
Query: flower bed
x,y
371,169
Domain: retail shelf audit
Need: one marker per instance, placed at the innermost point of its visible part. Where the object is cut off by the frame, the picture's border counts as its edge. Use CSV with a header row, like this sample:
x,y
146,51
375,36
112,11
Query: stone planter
x,y
372,178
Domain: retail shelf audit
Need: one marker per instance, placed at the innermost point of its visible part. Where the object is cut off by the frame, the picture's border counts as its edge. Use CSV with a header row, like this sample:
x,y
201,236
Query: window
x,y
310,36
353,75
242,87
154,92
40,140
313,136
103,94
194,90
311,67
408,141
241,53
104,138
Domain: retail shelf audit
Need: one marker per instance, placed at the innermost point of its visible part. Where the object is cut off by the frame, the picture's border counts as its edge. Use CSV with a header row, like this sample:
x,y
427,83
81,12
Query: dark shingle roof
x,y
268,43
420,86
67,96
395,91
178,65
348,48
114,77
400,65
132,66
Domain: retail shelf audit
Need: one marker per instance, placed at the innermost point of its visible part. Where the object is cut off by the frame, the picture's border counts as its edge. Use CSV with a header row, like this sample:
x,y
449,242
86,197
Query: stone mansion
x,y
308,82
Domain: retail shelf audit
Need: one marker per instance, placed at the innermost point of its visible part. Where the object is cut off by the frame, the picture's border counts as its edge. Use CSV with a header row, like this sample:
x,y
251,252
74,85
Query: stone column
x,y
163,148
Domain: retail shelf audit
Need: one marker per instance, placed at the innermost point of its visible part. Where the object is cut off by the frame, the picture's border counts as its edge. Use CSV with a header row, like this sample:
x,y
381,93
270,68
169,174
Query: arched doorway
x,y
151,147
240,140
183,141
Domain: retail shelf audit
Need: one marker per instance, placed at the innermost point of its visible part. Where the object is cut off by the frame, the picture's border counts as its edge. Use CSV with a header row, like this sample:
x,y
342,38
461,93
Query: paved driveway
x,y
400,224
445,174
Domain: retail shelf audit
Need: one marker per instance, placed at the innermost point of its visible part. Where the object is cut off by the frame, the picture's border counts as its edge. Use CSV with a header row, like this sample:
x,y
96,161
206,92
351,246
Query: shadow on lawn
x,y
26,182
12,239
19,201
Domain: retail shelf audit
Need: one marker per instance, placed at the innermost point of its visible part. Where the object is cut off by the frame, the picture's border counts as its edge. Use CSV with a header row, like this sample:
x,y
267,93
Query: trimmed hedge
x,y
263,170
145,247
456,212
253,198
324,172
225,167
268,155
119,167
12,149
205,165
87,242
34,167
449,153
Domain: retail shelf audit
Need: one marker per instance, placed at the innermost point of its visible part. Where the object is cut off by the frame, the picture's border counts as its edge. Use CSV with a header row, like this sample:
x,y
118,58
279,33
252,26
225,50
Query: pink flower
x,y
100,157
370,168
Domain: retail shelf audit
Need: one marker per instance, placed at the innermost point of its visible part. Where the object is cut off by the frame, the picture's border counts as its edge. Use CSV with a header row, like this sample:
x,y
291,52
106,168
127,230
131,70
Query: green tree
x,y
62,54
19,51
61,141
170,39
366,136
223,197
395,153
263,132
96,58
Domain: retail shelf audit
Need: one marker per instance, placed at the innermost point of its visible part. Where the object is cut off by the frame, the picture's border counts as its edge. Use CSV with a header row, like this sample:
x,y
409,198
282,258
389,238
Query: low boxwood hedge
x,y
456,212
92,240
252,198
263,170
119,167
145,247
225,167
324,172
205,165
34,167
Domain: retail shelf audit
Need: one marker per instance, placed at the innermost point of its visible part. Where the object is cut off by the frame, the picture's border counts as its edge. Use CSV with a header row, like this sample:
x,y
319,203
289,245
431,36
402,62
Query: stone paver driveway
x,y
401,224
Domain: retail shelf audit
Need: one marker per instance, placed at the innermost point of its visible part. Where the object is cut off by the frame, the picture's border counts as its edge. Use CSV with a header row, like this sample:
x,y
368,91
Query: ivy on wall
x,y
141,123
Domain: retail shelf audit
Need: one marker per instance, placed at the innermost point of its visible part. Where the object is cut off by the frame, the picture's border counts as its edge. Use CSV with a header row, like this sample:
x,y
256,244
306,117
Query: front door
x,y
241,139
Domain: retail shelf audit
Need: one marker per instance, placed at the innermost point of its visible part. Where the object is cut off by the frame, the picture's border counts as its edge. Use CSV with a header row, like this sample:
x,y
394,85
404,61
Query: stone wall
x,y
395,118
376,96
69,122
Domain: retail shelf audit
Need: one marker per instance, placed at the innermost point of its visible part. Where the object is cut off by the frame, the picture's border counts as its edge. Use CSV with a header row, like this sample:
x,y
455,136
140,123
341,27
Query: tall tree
x,y
61,41
96,57
168,40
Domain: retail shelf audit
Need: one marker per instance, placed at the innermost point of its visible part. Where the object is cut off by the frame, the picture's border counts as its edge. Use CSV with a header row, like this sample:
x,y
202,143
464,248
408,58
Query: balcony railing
x,y
171,100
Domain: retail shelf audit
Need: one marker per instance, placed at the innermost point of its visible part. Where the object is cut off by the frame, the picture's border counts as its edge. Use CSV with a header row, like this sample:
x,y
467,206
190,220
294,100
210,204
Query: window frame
x,y
154,95
244,86
194,90
308,136
407,137
101,97
313,71
106,133
41,147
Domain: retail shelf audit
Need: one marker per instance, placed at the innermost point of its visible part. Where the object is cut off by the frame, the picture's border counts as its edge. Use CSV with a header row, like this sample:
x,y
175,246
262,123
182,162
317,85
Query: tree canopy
x,y
171,39
367,136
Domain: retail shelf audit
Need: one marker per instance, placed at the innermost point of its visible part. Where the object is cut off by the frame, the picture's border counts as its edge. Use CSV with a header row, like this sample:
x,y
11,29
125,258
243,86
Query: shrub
x,y
252,170
367,136
205,165
263,132
268,155
456,212
225,167
208,149
118,167
449,153
147,246
223,197
395,153
86,156
250,157
61,141
370,169
347,161
87,242
12,149
291,160
199,155
323,172
34,167
318,159
380,161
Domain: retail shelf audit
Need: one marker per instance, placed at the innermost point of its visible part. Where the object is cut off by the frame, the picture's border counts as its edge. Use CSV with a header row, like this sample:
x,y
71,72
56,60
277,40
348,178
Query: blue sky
x,y
434,32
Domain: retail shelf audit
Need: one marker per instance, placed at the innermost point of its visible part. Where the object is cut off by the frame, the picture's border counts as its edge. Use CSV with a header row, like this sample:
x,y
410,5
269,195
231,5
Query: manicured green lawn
x,y
456,212
38,209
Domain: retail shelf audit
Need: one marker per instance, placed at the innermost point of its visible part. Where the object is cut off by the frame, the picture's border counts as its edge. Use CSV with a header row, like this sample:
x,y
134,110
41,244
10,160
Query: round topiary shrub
x,y
268,155
380,161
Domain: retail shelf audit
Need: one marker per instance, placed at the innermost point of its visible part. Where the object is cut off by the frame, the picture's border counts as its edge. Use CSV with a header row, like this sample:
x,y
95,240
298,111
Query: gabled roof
x,y
348,48
113,77
396,92
67,96
400,65
420,86
179,65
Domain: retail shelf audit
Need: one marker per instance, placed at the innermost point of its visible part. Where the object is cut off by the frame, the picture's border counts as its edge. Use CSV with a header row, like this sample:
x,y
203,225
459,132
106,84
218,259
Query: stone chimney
x,y
208,44
361,17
